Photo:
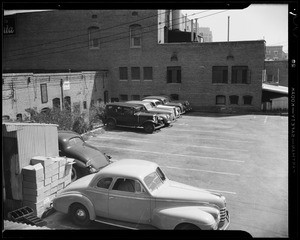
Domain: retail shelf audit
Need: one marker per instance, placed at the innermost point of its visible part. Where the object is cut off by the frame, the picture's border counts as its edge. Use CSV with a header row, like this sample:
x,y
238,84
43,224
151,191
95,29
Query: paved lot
x,y
244,157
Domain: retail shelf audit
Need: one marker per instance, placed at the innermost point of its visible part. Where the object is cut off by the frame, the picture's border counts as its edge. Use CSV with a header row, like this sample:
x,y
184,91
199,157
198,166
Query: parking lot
x,y
244,157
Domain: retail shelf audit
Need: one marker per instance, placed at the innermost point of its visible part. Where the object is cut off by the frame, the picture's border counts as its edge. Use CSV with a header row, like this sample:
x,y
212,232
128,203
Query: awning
x,y
275,88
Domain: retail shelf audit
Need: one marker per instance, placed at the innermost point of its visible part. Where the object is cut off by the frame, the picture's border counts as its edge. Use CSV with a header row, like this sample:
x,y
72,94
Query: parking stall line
x,y
174,144
173,154
199,170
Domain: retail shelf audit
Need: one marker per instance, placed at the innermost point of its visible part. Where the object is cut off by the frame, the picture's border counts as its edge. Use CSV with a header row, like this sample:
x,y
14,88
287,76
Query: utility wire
x,y
45,54
74,43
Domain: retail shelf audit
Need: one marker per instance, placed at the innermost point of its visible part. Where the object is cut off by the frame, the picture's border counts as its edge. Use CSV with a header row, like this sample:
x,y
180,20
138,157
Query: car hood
x,y
87,153
160,111
175,191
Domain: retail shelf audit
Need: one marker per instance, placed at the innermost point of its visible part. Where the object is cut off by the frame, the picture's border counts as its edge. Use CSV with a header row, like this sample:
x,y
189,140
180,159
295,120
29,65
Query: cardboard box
x,y
33,198
36,170
54,184
33,191
60,186
61,172
33,179
53,190
33,185
47,181
54,178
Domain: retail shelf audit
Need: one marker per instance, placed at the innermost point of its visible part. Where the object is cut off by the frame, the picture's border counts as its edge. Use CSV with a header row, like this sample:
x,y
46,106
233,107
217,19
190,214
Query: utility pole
x,y
228,28
62,93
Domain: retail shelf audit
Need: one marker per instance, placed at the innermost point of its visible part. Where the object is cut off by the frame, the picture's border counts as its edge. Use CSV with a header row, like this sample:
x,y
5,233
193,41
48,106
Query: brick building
x,y
275,53
133,51
277,72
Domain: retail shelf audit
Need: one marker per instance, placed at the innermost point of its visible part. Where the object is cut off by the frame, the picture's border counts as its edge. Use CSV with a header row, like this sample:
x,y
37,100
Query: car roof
x,y
159,97
132,168
122,104
138,102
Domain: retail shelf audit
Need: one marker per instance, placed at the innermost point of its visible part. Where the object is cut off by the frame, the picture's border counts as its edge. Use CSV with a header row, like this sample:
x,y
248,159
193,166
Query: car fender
x,y
169,218
63,202
147,121
106,120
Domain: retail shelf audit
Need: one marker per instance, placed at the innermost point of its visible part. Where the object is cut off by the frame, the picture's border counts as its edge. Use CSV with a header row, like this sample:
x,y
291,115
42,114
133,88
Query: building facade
x,y
275,53
277,72
131,49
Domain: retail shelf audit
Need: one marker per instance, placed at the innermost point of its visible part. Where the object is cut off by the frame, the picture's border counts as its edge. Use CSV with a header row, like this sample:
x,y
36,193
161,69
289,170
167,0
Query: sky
x,y
258,21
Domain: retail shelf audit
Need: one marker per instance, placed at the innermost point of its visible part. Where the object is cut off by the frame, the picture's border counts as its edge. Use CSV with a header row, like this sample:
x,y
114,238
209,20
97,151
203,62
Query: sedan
x,y
88,159
137,194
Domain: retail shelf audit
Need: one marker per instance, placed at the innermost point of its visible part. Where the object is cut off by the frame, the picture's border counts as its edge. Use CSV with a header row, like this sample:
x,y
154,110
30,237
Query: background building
x,y
128,54
275,53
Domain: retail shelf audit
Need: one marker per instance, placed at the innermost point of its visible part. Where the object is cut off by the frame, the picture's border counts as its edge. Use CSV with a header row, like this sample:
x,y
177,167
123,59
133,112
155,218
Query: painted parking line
x,y
173,154
199,170
266,118
173,144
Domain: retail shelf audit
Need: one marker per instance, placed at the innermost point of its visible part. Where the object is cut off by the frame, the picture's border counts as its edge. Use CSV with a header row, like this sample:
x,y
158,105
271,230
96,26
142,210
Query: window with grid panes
x,y
123,73
123,97
239,74
220,100
234,99
247,100
135,73
174,74
219,74
148,73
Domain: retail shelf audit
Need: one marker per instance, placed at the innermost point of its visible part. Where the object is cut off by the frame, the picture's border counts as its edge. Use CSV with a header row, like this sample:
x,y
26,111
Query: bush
x,y
67,120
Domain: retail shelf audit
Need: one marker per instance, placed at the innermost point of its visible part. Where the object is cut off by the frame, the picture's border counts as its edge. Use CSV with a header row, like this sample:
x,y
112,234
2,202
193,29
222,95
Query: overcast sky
x,y
258,21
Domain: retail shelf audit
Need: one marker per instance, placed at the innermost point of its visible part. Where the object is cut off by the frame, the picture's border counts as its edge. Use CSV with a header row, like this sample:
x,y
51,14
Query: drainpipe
x,y
228,29
185,22
192,30
196,23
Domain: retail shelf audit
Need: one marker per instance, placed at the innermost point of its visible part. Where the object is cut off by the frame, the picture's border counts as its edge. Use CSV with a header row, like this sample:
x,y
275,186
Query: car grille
x,y
222,214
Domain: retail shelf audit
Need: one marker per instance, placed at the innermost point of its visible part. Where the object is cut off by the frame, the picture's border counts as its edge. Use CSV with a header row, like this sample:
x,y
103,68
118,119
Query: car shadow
x,y
134,130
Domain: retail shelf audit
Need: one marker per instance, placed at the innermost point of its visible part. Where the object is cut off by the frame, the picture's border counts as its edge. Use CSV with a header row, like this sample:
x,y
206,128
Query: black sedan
x,y
88,159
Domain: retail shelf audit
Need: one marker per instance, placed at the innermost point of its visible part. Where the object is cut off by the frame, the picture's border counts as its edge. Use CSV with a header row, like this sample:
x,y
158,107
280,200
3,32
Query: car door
x,y
98,194
129,118
129,201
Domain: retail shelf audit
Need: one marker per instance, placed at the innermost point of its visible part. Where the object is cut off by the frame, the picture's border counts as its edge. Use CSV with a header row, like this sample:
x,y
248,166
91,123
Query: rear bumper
x,y
224,225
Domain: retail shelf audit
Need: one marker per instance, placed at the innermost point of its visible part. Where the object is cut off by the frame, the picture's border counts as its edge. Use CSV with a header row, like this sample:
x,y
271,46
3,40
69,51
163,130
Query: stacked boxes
x,y
43,179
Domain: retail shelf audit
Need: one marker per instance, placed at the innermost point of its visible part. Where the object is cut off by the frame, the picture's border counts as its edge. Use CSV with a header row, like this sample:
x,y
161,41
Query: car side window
x,y
104,182
128,185
128,111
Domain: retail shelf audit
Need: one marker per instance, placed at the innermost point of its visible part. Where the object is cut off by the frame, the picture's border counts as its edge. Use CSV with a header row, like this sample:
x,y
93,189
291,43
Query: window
x,y
135,73
135,36
94,41
19,117
174,97
234,99
219,74
174,74
56,103
148,73
123,97
44,93
220,100
104,182
247,100
67,103
135,97
240,74
123,73
275,53
122,184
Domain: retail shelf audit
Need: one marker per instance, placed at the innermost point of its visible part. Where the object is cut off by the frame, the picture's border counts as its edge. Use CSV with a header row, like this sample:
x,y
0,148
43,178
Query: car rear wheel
x,y
80,215
187,226
111,124
149,127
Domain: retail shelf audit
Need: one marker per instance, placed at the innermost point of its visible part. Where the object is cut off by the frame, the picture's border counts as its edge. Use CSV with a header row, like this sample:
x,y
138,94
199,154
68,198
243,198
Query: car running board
x,y
127,225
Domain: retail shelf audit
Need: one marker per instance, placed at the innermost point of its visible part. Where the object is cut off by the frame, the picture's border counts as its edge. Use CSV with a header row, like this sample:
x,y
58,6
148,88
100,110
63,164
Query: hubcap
x,y
80,213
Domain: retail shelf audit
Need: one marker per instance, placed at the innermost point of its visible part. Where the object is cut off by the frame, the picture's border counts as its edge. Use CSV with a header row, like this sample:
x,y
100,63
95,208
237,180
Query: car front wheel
x,y
149,128
79,214
187,226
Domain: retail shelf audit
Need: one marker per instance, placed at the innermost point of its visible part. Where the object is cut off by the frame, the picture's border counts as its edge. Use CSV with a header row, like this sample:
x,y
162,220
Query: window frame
x,y
150,69
123,74
235,75
233,99
133,35
216,78
125,97
132,71
246,97
174,74
220,104
91,39
44,93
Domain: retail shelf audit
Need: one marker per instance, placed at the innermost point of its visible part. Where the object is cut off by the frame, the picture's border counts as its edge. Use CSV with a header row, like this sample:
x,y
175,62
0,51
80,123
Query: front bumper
x,y
224,225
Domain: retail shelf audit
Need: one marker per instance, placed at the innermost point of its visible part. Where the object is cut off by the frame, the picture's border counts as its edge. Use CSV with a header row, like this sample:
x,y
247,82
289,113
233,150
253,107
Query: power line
x,y
101,43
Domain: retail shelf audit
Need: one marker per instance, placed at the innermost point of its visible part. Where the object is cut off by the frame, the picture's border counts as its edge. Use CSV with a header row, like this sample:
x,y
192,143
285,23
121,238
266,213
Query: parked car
x,y
158,104
131,115
185,103
166,114
166,102
88,159
137,194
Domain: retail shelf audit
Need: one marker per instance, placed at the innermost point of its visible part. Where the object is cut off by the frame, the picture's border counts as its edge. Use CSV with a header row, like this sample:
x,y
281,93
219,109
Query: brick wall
x,y
195,59
21,91
277,72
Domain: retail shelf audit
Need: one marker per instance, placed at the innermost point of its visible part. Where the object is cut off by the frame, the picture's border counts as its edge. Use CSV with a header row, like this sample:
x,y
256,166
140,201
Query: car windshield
x,y
155,180
148,106
75,140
